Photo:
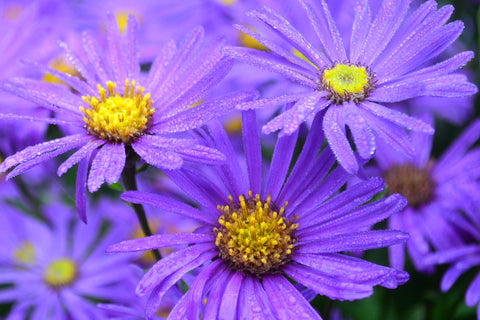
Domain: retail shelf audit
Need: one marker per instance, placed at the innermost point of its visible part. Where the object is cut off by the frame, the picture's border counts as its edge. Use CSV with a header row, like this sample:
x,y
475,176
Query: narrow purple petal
x,y
273,63
169,204
229,302
397,117
357,219
326,30
354,241
170,264
160,241
107,165
342,202
79,155
199,288
254,301
280,163
333,288
283,28
131,54
252,148
81,188
360,29
195,117
334,129
472,296
287,302
158,157
361,132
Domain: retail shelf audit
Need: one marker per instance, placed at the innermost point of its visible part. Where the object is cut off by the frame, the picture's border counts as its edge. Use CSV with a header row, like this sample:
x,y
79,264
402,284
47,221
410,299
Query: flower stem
x,y
130,184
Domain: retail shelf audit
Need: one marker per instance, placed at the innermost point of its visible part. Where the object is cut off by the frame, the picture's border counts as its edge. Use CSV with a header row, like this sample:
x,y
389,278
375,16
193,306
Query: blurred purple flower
x,y
121,108
259,230
54,271
387,61
437,190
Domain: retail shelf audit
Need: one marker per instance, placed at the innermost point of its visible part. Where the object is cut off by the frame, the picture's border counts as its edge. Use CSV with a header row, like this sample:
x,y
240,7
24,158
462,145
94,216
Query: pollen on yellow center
x,y
115,117
346,82
253,236
60,272
344,77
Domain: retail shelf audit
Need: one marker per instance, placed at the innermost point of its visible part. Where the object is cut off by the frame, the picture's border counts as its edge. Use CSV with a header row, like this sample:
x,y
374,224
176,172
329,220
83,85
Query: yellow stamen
x,y
118,118
253,237
60,272
346,82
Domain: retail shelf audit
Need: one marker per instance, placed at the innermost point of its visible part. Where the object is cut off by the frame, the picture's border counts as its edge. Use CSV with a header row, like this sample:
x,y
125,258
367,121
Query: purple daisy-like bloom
x,y
437,191
261,229
117,107
387,61
54,272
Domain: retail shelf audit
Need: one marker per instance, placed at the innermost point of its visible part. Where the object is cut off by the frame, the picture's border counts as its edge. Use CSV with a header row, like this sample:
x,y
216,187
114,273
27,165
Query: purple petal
x,y
333,288
229,302
397,117
287,302
342,202
169,265
472,296
107,165
282,27
160,158
160,241
199,288
254,301
354,241
357,219
79,155
280,163
383,28
325,29
360,30
273,63
81,188
334,129
252,148
195,117
361,132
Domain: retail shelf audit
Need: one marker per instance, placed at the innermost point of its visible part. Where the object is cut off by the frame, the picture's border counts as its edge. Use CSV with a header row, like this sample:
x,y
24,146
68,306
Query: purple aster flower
x,y
437,190
261,229
388,60
54,271
118,109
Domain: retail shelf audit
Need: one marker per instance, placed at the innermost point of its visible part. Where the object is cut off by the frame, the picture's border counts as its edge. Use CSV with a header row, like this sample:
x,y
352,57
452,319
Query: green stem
x,y
130,184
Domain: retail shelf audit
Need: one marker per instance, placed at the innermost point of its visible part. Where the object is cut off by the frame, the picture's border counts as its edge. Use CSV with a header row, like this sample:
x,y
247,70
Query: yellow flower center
x,y
228,2
60,273
61,65
346,82
122,18
118,118
24,254
253,236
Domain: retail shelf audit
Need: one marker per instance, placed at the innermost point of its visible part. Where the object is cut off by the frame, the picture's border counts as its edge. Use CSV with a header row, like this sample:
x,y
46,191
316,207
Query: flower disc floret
x,y
346,82
253,236
415,184
60,273
115,117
